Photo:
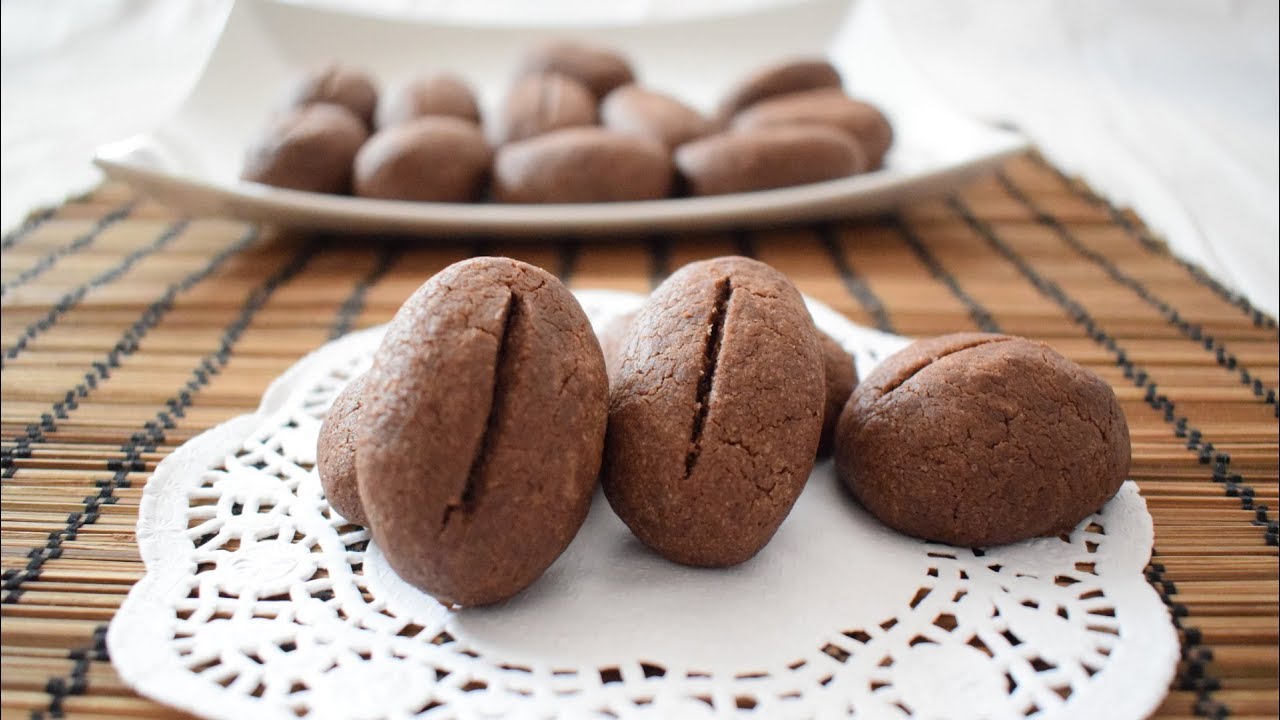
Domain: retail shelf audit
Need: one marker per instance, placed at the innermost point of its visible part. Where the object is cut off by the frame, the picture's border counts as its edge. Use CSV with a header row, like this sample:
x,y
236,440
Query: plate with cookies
x,y
335,120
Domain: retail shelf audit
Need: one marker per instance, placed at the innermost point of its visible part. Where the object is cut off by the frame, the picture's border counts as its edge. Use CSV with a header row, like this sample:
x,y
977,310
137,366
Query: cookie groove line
x,y
933,359
475,476
710,358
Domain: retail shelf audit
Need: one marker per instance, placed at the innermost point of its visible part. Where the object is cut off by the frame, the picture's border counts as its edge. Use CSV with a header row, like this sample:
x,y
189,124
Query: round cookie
x,y
634,110
586,164
435,94
829,107
336,452
715,412
979,439
787,77
339,85
841,379
599,69
430,159
766,158
538,104
309,148
483,420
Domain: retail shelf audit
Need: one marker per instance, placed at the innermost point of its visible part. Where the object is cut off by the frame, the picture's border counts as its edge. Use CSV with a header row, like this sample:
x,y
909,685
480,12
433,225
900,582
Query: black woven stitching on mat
x,y
1145,239
1193,674
567,252
981,316
28,226
1190,330
100,370
75,682
1206,453
659,259
152,432
80,243
354,304
852,279
73,298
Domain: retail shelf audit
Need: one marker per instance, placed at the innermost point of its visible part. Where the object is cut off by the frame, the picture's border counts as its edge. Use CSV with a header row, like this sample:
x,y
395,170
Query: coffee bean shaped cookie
x,y
715,412
431,159
600,70
830,107
339,85
766,158
978,439
581,165
841,379
426,95
787,77
538,104
310,148
336,452
634,110
483,419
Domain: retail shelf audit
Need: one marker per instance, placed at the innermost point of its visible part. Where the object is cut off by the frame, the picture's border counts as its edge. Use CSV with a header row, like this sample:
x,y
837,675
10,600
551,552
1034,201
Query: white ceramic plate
x,y
192,161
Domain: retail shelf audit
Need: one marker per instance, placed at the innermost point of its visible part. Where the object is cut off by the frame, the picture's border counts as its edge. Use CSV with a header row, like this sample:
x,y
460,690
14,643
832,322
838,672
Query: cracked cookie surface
x,y
978,439
715,412
483,420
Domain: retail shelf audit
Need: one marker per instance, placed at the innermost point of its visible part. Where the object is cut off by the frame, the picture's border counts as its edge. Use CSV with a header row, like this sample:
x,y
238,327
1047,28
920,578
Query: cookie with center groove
x,y
978,439
483,418
714,412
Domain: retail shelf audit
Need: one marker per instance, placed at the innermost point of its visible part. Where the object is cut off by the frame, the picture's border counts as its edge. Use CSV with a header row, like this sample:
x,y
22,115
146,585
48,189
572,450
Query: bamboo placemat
x,y
127,330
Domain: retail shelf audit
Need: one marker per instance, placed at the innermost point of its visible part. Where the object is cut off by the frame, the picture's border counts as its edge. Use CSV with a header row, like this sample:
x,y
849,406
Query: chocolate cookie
x,y
765,158
483,419
840,372
612,339
830,107
336,453
581,165
436,94
309,148
715,412
977,439
634,110
842,378
538,104
788,77
431,159
348,87
599,69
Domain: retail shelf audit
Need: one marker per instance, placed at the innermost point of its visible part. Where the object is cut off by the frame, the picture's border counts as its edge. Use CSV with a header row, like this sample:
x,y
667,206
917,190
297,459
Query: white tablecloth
x,y
1167,106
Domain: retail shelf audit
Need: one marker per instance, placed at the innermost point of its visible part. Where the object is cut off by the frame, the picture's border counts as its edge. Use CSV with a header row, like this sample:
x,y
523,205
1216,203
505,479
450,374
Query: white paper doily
x,y
259,601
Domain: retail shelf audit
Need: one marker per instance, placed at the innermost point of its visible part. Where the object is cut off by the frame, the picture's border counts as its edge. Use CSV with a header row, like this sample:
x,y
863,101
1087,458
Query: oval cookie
x,y
484,416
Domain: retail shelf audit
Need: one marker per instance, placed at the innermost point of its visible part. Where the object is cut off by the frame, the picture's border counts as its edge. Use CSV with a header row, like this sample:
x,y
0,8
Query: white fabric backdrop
x,y
1168,106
